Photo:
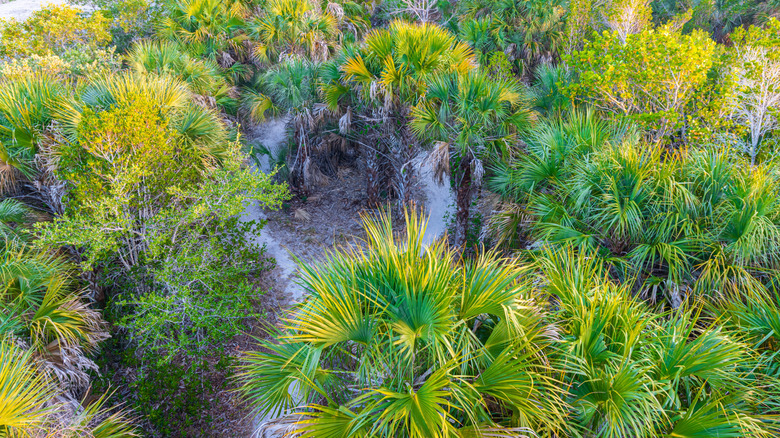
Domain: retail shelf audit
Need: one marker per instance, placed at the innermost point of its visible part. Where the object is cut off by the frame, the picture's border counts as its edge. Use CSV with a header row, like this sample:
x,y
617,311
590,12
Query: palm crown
x,y
424,346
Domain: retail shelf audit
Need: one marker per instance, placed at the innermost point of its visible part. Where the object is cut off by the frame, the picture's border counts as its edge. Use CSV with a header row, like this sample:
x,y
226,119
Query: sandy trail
x,y
273,135
439,199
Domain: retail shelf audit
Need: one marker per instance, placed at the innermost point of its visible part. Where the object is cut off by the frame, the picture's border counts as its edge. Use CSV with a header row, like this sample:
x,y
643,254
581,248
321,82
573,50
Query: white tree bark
x,y
628,17
756,99
424,10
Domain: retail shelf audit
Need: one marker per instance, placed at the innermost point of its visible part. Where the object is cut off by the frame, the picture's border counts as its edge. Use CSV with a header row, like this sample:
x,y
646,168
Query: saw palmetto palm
x,y
40,304
634,372
167,57
23,392
207,28
697,221
401,340
292,27
473,117
393,65
25,114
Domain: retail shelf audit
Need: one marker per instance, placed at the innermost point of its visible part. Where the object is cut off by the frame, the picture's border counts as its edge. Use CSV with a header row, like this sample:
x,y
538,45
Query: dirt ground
x,y
328,218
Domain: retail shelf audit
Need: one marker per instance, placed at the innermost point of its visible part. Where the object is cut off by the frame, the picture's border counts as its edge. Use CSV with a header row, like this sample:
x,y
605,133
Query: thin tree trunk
x,y
463,201
754,140
372,177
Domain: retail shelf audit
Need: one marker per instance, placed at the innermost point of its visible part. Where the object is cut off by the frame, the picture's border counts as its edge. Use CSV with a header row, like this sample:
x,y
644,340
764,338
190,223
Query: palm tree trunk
x,y
463,200
372,177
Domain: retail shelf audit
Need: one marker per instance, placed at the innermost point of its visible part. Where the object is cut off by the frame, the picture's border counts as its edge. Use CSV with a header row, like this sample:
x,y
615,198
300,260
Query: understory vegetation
x,y
611,270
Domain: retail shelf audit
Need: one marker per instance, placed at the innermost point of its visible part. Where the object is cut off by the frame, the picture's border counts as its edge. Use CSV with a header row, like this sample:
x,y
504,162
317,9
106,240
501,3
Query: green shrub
x,y
52,31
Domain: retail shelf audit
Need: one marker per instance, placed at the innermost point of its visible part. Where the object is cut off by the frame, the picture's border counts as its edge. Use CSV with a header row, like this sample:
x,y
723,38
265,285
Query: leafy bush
x,y
52,31
651,77
174,399
200,293
160,207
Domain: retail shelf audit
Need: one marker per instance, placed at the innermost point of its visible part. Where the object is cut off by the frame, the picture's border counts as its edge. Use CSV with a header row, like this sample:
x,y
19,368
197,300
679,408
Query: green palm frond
x,y
708,418
23,392
14,217
38,297
618,400
409,331
168,57
257,105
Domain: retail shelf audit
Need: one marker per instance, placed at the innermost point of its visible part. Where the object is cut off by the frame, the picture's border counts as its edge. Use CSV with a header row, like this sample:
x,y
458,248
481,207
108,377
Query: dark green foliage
x,y
175,400
700,221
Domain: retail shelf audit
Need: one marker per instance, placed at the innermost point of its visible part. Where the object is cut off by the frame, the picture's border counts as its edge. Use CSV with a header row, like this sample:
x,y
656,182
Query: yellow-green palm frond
x,y
40,305
257,105
168,58
392,75
400,323
23,392
354,68
124,88
203,129
168,92
380,43
97,421
25,107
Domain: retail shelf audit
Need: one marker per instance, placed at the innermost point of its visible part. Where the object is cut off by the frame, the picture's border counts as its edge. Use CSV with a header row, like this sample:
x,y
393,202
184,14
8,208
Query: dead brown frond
x,y
208,102
301,215
336,10
313,175
345,122
9,177
506,225
439,160
478,171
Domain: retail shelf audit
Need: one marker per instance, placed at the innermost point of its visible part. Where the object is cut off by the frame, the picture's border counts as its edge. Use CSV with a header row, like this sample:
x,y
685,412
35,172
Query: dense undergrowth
x,y
613,258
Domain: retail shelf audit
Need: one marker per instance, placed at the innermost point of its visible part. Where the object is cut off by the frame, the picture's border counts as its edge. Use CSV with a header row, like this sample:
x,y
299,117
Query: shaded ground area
x,y
330,216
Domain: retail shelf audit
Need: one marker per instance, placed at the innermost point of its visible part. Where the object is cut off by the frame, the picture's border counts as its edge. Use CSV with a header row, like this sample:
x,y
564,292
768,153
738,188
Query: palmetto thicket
x,y
47,331
209,28
202,76
42,309
292,27
696,221
33,405
631,371
25,115
397,340
374,86
530,32
291,89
